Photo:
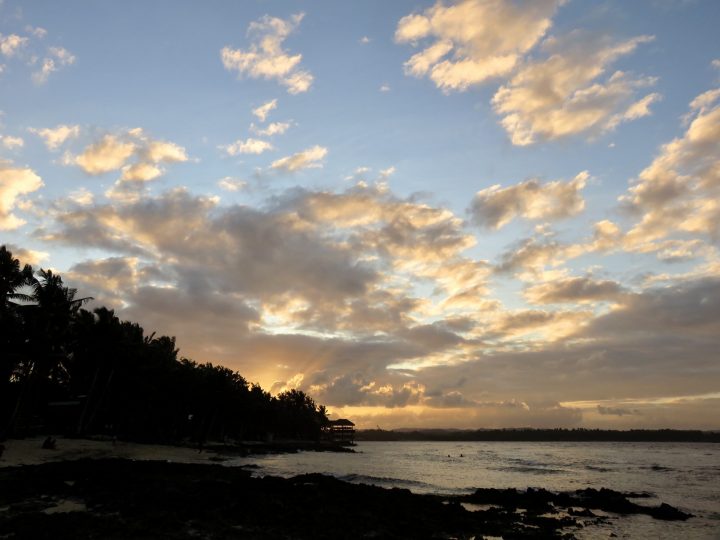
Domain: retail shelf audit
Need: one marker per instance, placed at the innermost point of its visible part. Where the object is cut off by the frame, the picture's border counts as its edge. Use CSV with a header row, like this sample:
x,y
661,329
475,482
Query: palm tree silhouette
x,y
48,321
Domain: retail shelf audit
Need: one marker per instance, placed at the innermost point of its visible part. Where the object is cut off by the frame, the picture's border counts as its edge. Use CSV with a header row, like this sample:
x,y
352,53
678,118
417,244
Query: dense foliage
x,y
65,368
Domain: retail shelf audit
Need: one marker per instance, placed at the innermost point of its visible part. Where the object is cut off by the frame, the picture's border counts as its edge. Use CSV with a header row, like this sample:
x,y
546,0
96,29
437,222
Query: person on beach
x,y
49,443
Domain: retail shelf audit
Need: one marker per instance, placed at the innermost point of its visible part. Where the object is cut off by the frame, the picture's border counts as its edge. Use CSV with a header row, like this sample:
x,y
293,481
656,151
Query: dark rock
x,y
667,512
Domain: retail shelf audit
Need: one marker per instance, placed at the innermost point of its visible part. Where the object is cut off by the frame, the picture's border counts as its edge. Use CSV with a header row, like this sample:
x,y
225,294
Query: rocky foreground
x,y
120,499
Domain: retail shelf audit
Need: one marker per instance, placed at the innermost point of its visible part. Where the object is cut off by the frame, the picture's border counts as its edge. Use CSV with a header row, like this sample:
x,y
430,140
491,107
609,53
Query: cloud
x,y
82,196
355,389
679,191
166,152
473,41
374,304
532,254
36,31
263,110
574,290
176,222
140,172
27,256
57,57
274,128
494,207
110,153
288,262
249,146
686,308
266,58
385,174
365,40
56,137
615,411
231,184
11,44
307,159
11,142
14,182
551,325
565,94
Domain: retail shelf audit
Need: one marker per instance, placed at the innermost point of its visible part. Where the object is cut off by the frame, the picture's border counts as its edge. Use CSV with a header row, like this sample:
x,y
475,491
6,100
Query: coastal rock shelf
x,y
116,498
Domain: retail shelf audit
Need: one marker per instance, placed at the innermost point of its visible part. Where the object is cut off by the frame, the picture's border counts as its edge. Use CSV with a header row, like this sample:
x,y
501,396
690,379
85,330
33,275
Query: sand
x,y
30,452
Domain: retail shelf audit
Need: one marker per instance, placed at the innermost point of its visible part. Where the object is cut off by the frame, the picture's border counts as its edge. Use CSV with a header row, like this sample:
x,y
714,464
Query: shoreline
x,y
127,498
28,451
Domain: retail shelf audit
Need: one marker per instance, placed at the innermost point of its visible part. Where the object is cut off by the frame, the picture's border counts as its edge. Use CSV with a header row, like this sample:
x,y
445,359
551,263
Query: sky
x,y
472,214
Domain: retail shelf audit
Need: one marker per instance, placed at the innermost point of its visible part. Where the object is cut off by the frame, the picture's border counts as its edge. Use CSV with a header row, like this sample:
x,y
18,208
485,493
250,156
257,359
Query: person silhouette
x,y
49,443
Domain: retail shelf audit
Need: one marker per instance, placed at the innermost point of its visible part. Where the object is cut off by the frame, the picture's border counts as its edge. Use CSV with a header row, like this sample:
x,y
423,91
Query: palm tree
x,y
48,321
12,279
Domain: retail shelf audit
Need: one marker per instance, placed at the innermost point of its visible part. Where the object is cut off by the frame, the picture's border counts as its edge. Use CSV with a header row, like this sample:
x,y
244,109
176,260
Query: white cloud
x,y
365,40
384,88
36,31
11,44
564,94
496,206
274,128
231,184
263,110
679,191
266,57
55,137
358,175
57,58
82,196
14,182
473,41
108,154
306,159
141,172
249,146
63,56
112,152
385,174
166,152
11,142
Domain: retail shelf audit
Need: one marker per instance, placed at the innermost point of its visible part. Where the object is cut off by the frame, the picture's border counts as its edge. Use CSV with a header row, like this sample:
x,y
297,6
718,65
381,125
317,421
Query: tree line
x,y
83,371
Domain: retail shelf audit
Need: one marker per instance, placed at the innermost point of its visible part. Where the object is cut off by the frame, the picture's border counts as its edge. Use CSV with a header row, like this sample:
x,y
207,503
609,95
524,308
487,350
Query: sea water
x,y
685,475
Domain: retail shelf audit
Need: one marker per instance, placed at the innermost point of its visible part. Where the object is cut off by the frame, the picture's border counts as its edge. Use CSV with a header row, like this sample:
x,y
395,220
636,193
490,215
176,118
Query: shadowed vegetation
x,y
67,369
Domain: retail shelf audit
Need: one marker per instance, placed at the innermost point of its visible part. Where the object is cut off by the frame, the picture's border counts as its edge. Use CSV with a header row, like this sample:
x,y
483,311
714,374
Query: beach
x,y
91,489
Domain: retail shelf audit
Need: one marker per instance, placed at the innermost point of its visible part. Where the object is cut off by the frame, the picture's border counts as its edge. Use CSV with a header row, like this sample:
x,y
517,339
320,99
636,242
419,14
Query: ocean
x,y
685,475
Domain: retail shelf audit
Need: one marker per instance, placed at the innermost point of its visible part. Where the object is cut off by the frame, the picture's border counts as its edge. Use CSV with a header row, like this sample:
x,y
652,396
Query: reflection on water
x,y
685,475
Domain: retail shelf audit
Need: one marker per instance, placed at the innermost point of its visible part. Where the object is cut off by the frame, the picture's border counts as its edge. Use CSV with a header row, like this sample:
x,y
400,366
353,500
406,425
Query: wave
x,y
596,468
656,467
383,481
530,470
